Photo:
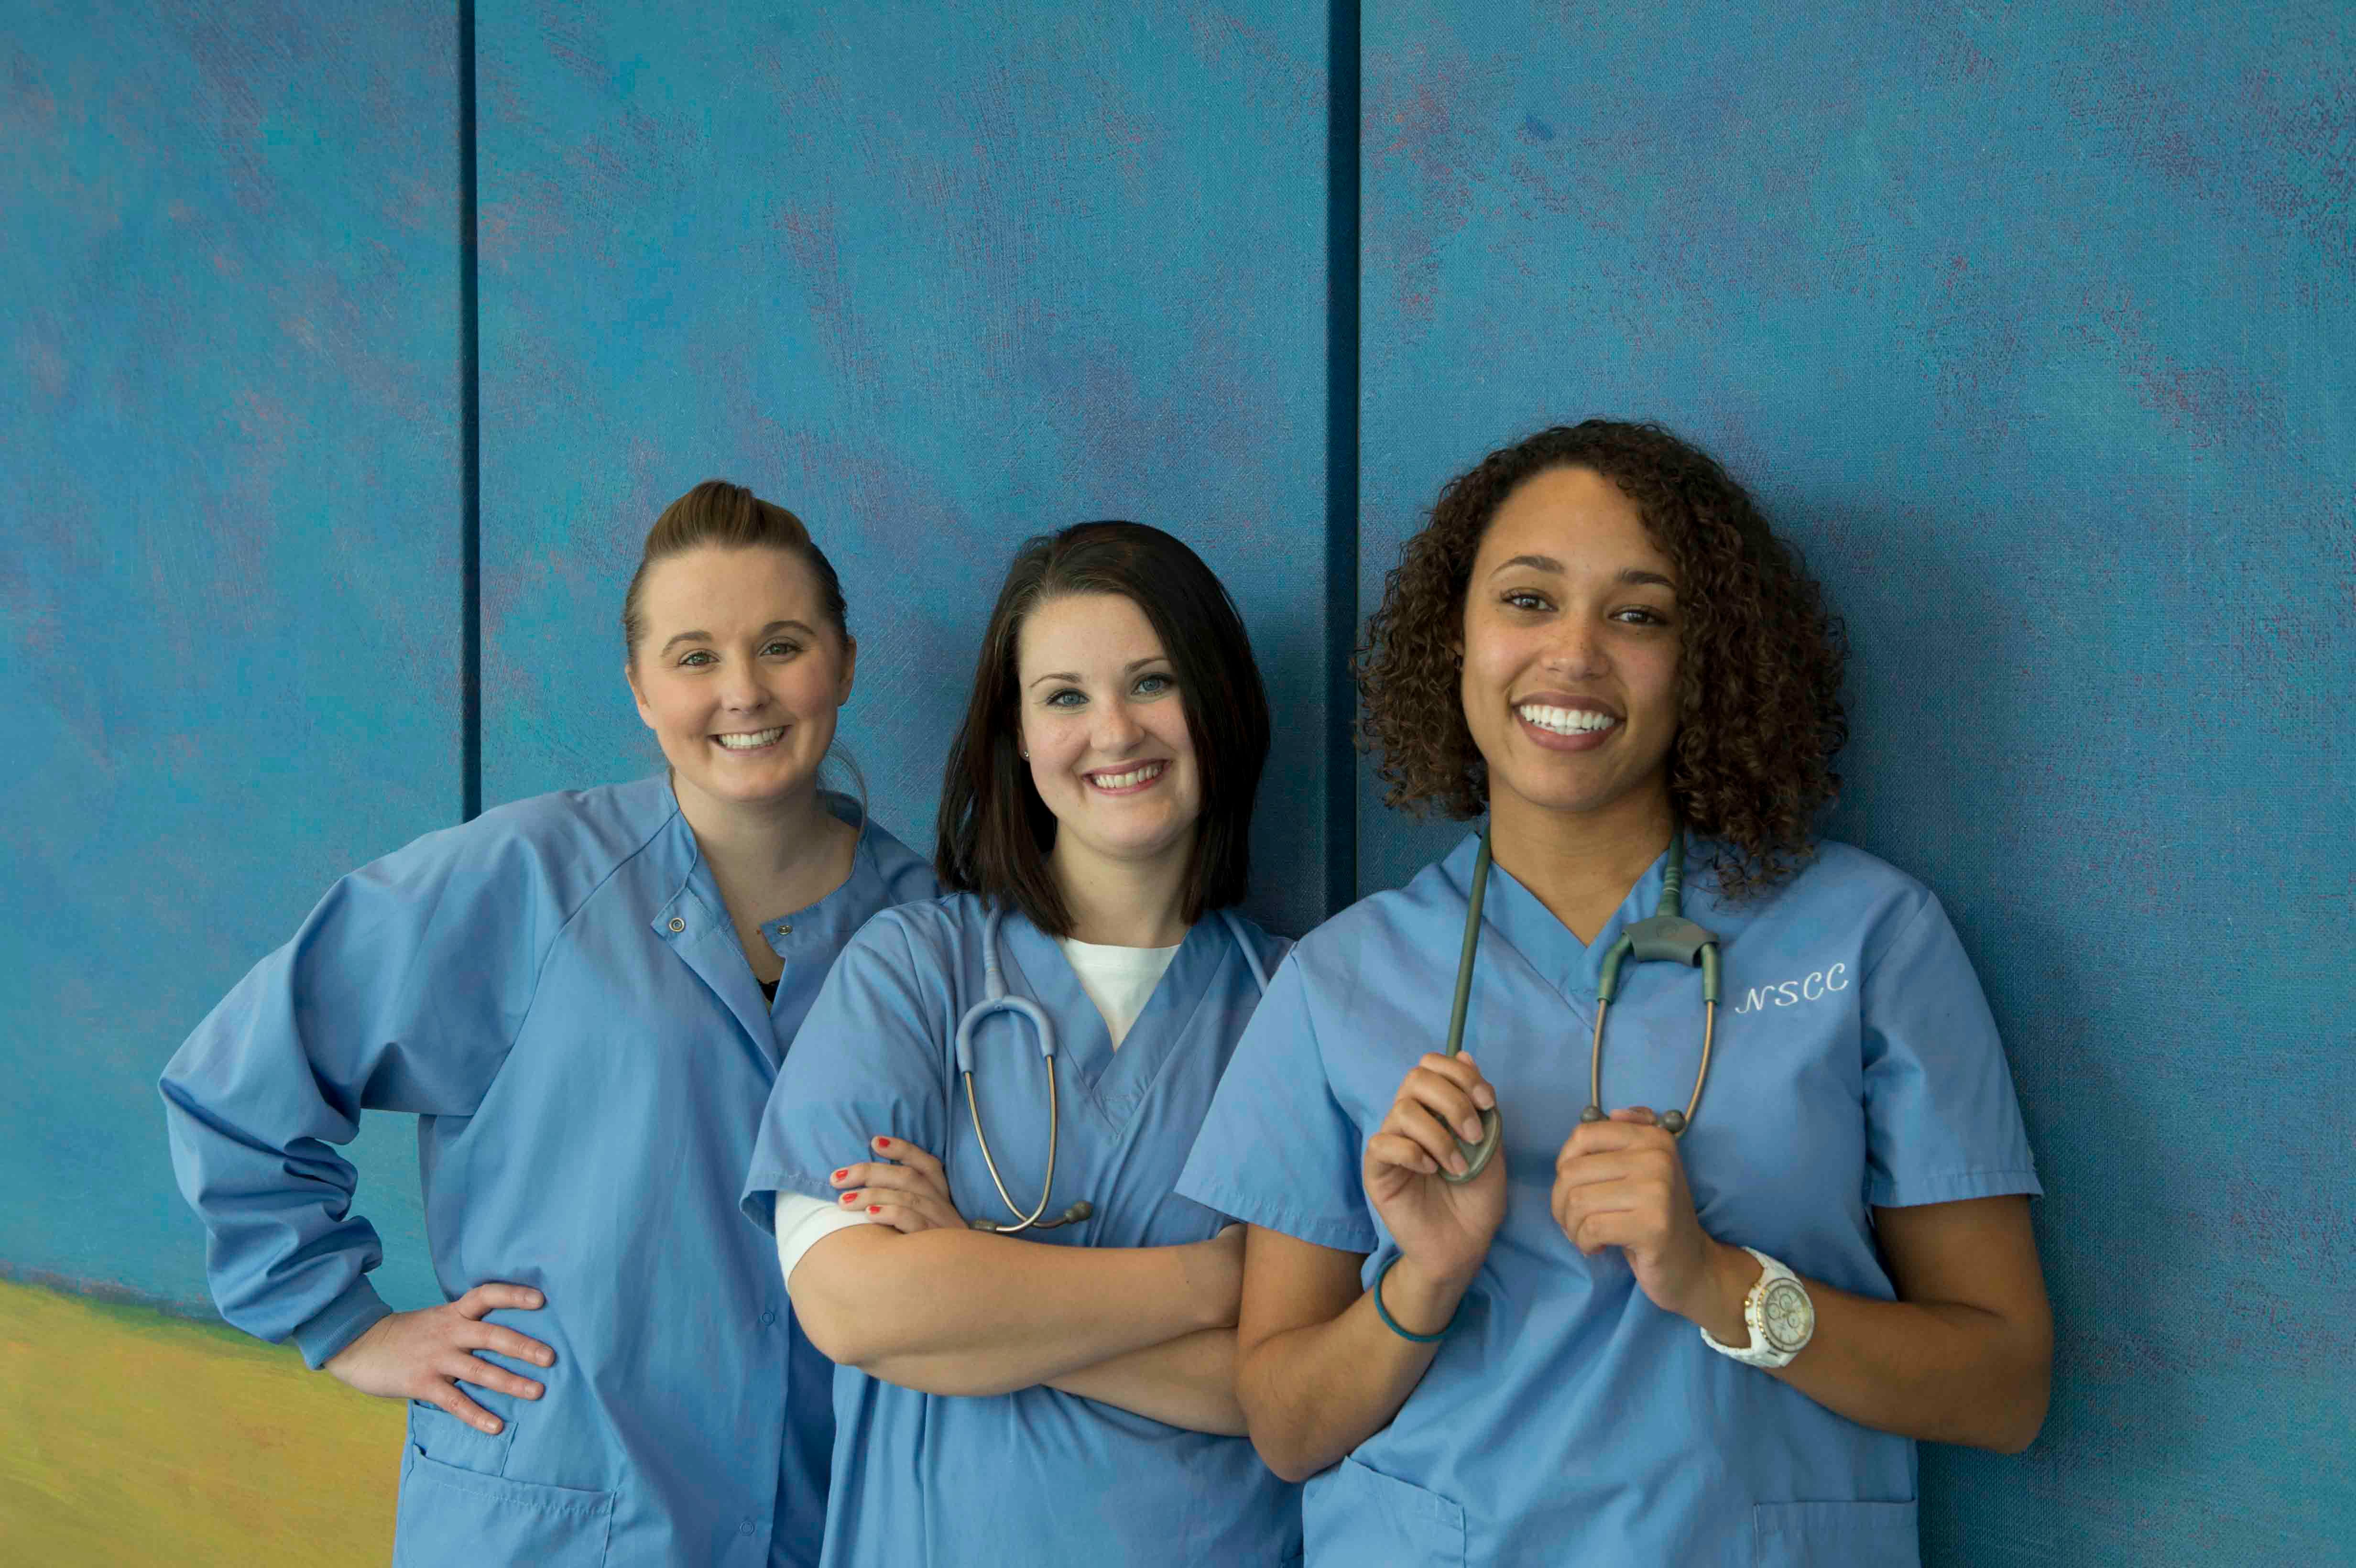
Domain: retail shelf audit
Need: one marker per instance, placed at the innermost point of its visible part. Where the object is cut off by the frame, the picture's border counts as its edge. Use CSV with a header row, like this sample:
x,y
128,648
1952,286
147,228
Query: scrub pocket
x,y
1353,1514
457,1507
1834,1535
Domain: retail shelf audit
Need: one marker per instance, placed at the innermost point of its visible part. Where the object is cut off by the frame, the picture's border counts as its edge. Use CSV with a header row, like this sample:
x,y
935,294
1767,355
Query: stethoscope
x,y
1666,934
995,999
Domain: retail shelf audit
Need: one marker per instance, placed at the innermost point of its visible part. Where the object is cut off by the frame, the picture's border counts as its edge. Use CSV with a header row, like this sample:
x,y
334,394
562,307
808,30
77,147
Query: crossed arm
x,y
918,1299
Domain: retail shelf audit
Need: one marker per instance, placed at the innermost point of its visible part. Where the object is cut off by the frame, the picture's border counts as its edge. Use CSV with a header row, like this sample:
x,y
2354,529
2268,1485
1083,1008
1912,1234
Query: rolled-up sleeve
x,y
401,991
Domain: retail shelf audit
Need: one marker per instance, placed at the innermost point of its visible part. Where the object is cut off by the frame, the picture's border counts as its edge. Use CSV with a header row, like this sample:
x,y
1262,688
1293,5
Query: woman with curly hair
x,y
1732,1256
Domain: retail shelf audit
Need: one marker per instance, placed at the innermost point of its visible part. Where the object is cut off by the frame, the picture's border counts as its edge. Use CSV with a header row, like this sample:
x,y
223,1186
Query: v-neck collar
x,y
1114,1082
1511,911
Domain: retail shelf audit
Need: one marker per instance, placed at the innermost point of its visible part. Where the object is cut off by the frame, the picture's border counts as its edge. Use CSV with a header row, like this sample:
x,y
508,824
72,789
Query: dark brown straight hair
x,y
995,831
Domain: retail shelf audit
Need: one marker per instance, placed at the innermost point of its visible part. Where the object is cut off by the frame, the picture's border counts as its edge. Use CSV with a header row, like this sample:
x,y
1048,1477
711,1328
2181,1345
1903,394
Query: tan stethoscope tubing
x,y
1073,1215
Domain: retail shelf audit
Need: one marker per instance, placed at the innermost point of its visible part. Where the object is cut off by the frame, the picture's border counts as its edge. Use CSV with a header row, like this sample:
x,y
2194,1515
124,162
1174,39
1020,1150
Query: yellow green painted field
x,y
127,1436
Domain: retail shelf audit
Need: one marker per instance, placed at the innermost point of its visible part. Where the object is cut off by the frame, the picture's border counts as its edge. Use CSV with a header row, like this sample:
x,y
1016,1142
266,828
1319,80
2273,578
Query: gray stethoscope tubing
x,y
1667,934
995,999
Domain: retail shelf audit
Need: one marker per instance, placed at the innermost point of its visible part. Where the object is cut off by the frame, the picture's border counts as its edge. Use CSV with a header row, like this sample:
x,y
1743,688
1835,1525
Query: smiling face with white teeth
x,y
738,673
1570,650
1111,755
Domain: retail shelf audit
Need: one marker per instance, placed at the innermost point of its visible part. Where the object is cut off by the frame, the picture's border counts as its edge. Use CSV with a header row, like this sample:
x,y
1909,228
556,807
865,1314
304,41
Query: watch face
x,y
1789,1314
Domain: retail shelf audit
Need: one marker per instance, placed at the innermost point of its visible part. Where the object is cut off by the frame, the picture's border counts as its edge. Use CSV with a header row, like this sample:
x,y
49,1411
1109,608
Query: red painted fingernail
x,y
850,1198
882,1142
874,1209
841,1174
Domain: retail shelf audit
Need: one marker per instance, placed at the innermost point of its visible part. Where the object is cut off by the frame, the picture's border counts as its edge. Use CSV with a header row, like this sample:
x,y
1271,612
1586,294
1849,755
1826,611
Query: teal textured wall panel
x,y
2031,325
228,591
935,280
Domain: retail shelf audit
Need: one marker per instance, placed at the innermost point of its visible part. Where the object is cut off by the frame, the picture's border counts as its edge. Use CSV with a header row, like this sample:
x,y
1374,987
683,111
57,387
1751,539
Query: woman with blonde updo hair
x,y
584,998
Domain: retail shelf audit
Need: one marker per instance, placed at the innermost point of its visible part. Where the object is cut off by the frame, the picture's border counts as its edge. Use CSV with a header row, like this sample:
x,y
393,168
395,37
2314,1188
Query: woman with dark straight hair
x,y
969,1159
997,831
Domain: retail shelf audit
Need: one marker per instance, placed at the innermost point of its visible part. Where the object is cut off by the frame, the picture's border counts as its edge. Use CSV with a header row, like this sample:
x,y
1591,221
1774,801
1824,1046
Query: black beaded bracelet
x,y
1391,1323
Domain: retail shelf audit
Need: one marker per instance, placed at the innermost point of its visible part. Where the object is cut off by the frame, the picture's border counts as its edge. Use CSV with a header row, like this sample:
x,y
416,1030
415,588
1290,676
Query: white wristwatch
x,y
1781,1317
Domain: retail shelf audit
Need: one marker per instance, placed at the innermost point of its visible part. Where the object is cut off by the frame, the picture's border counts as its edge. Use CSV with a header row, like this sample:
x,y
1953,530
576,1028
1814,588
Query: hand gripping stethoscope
x,y
995,999
1666,934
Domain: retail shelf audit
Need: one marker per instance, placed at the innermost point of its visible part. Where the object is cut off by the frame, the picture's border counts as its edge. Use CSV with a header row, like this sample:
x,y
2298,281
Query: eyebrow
x,y
1629,575
706,637
1131,668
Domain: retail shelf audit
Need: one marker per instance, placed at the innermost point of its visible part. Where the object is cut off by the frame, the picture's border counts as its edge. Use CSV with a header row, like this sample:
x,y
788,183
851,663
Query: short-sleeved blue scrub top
x,y
556,991
1565,1418
1036,1476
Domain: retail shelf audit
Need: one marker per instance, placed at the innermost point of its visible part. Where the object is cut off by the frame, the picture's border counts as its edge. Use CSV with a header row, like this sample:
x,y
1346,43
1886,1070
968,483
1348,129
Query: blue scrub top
x,y
556,991
1037,1476
1565,1418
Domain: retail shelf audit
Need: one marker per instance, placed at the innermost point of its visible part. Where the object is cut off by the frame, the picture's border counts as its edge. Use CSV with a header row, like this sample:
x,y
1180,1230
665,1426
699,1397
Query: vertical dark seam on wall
x,y
1341,262
470,524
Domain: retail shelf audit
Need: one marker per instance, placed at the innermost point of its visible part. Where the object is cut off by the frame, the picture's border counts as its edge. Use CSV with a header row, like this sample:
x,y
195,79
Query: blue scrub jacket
x,y
1036,1477
1565,1418
556,992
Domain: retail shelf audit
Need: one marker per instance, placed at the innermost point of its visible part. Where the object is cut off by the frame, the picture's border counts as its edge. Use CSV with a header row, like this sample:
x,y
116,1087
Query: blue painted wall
x,y
2029,325
2032,324
936,282
228,585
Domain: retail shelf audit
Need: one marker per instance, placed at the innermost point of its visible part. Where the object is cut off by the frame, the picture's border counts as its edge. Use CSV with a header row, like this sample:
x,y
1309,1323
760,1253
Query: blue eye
x,y
1055,699
1155,685
699,656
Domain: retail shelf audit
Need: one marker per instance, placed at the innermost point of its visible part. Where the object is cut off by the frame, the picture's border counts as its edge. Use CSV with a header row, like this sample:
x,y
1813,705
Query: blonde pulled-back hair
x,y
728,516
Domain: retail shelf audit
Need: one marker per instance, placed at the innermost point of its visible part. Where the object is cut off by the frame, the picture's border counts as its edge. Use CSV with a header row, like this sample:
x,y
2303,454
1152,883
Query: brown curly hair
x,y
1759,672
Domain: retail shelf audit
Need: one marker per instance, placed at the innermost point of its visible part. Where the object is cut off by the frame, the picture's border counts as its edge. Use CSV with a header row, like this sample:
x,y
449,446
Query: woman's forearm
x,y
1188,1382
964,1312
1312,1395
1941,1371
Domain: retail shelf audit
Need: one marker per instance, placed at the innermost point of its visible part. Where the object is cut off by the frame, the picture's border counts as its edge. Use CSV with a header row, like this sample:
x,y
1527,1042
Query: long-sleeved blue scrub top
x,y
1036,1476
557,992
1565,1418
